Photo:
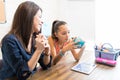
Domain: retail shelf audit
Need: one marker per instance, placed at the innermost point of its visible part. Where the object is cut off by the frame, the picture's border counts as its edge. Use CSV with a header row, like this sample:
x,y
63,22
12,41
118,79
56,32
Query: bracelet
x,y
61,53
46,54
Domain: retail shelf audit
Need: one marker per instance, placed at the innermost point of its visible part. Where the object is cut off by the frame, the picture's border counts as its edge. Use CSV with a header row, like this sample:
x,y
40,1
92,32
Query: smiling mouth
x,y
40,24
66,39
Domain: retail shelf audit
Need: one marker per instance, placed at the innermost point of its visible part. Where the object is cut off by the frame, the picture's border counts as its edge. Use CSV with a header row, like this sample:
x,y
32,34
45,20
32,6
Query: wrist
x,y
46,54
38,51
61,53
63,50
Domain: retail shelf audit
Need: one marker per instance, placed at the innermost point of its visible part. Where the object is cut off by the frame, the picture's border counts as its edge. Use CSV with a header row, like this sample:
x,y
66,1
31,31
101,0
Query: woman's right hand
x,y
40,42
69,46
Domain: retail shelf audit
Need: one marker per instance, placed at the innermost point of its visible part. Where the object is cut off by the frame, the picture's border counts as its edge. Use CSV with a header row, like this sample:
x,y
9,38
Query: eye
x,y
40,16
68,32
63,33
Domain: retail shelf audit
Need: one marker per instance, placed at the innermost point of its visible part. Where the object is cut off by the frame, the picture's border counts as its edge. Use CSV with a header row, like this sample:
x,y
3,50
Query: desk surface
x,y
62,71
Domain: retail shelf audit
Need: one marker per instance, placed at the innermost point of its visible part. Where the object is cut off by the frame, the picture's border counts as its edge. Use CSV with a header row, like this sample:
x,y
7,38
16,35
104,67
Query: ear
x,y
55,34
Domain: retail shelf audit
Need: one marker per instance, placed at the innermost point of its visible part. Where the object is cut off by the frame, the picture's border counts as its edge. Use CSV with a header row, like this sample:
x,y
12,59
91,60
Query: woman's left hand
x,y
47,47
69,46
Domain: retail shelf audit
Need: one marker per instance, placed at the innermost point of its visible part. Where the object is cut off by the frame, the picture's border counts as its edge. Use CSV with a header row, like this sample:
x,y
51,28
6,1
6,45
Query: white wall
x,y
49,13
79,14
107,22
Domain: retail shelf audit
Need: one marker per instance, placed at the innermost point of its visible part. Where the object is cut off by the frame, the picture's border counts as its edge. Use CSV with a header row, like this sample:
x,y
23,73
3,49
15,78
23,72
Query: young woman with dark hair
x,y
24,46
60,42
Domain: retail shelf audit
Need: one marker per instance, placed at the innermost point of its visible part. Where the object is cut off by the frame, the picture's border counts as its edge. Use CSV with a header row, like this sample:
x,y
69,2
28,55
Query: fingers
x,y
40,42
69,46
40,36
73,38
47,51
75,47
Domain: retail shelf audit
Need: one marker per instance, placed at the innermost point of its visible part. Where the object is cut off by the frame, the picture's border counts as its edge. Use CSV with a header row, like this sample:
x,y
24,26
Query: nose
x,y
41,22
67,35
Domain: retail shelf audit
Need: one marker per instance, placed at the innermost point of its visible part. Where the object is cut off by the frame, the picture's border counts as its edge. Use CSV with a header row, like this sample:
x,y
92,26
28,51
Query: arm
x,y
18,59
77,54
34,59
40,46
45,59
71,46
56,58
13,54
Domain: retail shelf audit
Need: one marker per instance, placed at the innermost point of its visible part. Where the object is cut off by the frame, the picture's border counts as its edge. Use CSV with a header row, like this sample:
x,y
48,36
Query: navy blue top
x,y
15,59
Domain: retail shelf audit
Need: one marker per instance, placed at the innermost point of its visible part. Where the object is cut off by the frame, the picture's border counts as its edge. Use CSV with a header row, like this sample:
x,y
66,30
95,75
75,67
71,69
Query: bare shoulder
x,y
50,39
51,42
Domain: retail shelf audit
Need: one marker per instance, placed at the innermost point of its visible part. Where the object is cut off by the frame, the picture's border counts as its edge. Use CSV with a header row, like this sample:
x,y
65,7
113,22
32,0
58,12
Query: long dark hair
x,y
23,21
55,27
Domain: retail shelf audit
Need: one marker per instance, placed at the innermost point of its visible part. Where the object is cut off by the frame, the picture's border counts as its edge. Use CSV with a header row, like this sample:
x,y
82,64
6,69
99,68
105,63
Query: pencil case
x,y
106,55
107,52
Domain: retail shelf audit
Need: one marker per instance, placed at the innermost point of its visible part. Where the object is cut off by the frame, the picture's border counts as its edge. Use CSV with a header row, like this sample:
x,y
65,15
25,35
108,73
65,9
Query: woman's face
x,y
63,33
37,22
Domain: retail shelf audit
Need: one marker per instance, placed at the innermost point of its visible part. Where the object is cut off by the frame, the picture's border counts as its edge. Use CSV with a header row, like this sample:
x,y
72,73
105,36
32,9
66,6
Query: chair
x,y
1,63
0,59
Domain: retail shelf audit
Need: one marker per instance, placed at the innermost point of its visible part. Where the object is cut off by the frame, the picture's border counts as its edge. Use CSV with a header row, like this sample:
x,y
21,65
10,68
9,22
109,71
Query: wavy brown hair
x,y
23,20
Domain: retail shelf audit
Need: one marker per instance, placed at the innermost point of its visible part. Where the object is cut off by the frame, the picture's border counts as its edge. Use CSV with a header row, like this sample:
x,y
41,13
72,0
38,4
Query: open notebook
x,y
84,67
